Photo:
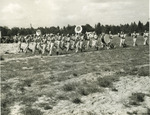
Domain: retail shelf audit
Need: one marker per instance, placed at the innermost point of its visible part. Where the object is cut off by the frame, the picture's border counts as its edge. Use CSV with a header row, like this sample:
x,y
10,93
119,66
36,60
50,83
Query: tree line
x,y
69,29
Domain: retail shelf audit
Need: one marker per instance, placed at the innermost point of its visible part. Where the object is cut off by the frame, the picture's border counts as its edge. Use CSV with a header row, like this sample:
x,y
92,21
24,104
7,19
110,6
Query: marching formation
x,y
50,43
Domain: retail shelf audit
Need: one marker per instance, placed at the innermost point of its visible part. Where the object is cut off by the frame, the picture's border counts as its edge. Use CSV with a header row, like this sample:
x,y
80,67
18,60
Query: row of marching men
x,y
134,35
56,42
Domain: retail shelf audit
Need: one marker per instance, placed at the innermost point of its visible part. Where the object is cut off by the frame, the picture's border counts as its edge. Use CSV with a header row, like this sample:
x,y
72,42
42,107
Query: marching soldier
x,y
134,36
145,36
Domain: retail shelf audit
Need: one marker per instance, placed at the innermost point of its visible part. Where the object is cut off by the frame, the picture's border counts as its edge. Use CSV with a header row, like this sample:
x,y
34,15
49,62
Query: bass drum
x,y
106,39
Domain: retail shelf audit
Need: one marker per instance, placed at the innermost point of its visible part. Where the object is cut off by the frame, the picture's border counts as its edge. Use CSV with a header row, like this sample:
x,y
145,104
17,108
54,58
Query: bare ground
x,y
69,84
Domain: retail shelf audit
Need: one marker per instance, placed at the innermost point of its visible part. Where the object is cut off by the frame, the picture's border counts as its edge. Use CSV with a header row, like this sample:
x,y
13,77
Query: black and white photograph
x,y
74,57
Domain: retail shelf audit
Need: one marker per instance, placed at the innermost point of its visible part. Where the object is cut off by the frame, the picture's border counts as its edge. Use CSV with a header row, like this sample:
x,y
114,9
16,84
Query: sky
x,y
47,13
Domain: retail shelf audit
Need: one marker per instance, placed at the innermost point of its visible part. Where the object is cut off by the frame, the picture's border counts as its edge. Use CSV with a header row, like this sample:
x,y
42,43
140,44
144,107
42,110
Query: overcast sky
x,y
46,13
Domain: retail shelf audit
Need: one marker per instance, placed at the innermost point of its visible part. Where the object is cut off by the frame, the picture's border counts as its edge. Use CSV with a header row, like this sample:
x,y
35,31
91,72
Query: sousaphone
x,y
78,29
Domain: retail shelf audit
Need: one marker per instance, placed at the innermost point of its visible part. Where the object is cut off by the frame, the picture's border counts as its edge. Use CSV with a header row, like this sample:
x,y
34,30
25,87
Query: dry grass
x,y
65,75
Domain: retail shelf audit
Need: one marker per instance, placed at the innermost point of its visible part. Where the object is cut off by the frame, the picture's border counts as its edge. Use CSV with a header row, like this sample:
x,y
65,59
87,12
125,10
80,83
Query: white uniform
x,y
77,43
58,43
145,36
88,41
122,39
51,45
134,35
68,43
19,44
44,42
81,42
27,39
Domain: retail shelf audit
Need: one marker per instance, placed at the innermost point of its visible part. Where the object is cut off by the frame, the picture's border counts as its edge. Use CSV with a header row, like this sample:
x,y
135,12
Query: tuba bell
x,y
78,29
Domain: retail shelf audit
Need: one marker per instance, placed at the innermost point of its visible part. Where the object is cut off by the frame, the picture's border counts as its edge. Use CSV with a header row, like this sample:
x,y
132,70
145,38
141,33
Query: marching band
x,y
77,42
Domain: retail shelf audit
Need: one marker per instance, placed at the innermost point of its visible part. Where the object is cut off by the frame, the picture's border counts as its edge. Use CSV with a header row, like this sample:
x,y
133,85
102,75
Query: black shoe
x,y
57,53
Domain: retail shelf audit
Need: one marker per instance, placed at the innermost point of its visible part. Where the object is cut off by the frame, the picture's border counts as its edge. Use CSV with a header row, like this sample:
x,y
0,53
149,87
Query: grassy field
x,y
100,82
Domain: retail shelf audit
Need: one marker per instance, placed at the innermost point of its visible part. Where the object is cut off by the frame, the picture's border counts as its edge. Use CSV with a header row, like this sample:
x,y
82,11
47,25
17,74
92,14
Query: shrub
x,y
28,100
144,71
77,100
46,107
30,111
107,81
69,87
136,98
75,74
83,91
27,82
62,97
133,71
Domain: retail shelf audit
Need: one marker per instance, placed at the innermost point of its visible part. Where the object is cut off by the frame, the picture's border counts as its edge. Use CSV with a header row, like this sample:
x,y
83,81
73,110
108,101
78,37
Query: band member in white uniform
x,y
44,44
134,36
48,42
88,40
27,40
39,41
72,41
34,44
110,37
145,36
68,42
95,40
52,44
77,42
58,38
122,39
62,41
20,40
103,43
81,41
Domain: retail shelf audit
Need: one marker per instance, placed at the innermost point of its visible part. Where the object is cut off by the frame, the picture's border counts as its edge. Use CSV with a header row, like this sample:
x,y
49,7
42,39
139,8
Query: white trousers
x,y
134,41
145,40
